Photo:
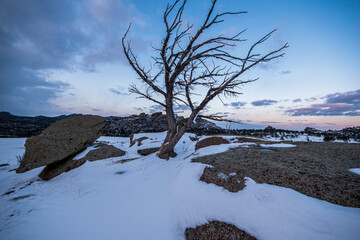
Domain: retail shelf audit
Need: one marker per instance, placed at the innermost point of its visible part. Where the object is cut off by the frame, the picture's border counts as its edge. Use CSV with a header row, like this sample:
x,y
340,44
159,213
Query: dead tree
x,y
187,61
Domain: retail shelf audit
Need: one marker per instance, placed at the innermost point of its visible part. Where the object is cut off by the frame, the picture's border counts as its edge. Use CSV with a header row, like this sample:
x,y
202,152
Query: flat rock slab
x,y
61,140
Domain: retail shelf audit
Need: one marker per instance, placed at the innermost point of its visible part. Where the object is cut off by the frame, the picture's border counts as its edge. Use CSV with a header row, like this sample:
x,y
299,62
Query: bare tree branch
x,y
218,118
190,63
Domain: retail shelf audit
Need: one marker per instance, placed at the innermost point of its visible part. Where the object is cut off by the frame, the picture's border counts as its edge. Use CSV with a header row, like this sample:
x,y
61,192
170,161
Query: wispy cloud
x,y
139,109
269,122
155,108
236,105
181,107
264,102
118,92
312,99
297,100
285,72
222,113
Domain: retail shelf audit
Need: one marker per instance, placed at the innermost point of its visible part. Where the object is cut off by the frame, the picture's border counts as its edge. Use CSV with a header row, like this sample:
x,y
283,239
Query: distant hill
x,y
20,126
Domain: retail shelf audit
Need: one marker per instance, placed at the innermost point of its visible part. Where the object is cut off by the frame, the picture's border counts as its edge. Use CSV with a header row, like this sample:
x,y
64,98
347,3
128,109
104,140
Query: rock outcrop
x,y
103,151
157,122
61,140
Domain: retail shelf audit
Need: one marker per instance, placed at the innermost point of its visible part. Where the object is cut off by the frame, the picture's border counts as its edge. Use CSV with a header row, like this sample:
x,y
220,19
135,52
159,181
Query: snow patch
x,y
278,145
355,170
222,176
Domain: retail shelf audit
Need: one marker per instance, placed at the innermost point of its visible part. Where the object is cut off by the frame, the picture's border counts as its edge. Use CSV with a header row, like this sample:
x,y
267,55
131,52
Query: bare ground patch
x,y
215,230
318,170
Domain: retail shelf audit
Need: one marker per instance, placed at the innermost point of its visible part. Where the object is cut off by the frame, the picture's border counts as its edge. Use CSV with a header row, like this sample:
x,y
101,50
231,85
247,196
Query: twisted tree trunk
x,y
173,136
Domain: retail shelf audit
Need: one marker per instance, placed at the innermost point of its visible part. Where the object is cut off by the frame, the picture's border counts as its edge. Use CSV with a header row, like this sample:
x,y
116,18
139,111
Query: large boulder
x,y
61,140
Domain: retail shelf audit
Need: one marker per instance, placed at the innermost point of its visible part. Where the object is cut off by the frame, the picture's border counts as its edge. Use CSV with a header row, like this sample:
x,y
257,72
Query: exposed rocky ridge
x,y
124,126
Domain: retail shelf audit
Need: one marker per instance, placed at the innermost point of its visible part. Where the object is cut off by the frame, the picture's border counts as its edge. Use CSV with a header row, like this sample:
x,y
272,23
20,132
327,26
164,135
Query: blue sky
x,y
60,57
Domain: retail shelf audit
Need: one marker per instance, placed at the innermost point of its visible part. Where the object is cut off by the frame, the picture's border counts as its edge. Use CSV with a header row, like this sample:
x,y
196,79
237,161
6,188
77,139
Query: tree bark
x,y
173,137
167,149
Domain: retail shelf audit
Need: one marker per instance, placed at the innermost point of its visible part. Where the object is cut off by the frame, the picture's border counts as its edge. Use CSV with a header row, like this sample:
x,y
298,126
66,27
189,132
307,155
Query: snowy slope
x,y
150,198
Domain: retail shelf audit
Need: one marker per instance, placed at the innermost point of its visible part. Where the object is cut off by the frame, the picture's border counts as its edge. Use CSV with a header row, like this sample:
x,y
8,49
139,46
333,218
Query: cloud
x,y
352,97
236,105
139,109
311,99
118,92
285,72
55,35
265,102
155,108
159,108
337,104
266,65
22,91
297,100
181,107
222,113
269,122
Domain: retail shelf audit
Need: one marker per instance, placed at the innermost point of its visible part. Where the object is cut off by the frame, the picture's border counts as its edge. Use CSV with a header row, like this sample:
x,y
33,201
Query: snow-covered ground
x,y
355,170
150,198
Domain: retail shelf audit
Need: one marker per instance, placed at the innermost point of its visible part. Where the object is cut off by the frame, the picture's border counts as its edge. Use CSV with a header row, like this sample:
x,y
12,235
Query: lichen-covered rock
x,y
61,140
